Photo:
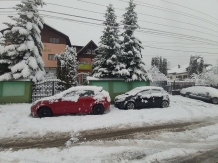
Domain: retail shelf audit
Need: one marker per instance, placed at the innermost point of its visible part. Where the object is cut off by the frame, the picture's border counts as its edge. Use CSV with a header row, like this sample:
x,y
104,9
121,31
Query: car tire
x,y
215,100
130,106
98,110
44,112
187,95
164,104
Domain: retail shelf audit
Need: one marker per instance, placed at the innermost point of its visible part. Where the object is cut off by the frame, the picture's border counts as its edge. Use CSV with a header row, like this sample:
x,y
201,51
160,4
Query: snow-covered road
x,y
192,128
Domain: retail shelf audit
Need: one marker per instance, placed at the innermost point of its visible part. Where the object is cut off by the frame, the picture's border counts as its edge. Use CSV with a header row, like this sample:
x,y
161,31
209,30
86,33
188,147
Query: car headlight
x,y
119,99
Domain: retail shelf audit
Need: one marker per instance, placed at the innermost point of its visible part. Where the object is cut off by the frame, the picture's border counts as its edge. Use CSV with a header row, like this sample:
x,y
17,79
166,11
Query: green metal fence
x,y
15,92
116,86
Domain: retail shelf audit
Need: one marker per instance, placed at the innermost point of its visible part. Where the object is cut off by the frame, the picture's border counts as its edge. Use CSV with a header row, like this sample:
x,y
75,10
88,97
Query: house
x,y
180,72
55,42
85,56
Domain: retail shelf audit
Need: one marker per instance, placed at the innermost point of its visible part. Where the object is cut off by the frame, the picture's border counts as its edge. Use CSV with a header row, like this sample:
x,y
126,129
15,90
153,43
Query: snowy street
x,y
178,133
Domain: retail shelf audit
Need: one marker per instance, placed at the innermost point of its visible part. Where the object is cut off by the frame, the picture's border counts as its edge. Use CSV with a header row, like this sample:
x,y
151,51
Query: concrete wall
x,y
15,92
117,87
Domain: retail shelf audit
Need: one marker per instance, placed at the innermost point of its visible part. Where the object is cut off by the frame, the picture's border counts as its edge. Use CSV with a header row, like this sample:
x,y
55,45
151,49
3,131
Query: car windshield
x,y
133,91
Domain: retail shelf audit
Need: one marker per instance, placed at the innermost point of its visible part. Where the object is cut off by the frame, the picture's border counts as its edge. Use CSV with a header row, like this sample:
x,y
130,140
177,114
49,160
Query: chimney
x,y
178,66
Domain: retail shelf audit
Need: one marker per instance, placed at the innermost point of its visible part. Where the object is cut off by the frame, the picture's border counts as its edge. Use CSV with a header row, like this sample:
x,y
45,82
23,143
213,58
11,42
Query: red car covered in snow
x,y
80,99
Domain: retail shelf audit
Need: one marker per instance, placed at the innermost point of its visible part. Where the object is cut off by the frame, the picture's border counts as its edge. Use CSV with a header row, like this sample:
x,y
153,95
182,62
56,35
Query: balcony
x,y
85,66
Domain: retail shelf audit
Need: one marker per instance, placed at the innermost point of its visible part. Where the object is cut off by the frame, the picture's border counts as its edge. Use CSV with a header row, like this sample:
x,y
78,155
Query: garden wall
x,y
116,86
15,92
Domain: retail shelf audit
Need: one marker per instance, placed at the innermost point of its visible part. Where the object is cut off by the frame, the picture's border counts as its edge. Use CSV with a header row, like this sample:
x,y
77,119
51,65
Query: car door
x,y
86,101
157,97
68,103
144,99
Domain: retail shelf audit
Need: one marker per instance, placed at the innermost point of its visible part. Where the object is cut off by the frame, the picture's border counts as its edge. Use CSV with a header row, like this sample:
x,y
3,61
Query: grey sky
x,y
80,34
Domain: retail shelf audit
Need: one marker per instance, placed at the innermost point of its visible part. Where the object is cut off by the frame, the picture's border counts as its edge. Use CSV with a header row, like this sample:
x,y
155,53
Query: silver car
x,y
208,94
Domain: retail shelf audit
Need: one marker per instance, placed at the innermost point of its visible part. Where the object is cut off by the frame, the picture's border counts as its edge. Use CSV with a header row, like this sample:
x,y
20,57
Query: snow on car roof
x,y
199,89
137,89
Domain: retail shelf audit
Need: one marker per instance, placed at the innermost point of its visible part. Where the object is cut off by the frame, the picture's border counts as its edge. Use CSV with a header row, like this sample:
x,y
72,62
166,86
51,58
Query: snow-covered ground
x,y
15,122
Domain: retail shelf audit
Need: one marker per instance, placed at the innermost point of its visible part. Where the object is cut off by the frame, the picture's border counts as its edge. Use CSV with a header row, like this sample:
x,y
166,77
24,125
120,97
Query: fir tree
x,y
201,66
193,65
106,64
157,62
67,66
161,65
165,66
22,52
153,61
132,46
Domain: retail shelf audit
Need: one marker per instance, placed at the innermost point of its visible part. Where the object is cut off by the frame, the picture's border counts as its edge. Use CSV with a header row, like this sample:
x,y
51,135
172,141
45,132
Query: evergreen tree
x,y
132,46
157,62
165,66
22,41
161,65
193,65
153,61
67,66
201,66
107,62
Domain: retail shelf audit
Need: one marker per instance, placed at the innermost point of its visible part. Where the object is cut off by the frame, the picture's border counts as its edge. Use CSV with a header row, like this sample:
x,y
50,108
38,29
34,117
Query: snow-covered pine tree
x,y
132,46
165,66
107,62
68,66
22,43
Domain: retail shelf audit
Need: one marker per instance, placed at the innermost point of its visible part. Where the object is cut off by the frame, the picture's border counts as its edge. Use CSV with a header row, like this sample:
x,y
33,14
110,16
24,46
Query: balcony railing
x,y
84,66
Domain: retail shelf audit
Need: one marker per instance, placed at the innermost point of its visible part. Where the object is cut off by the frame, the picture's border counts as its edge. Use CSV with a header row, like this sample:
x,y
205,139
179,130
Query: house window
x,y
51,57
54,40
84,78
185,76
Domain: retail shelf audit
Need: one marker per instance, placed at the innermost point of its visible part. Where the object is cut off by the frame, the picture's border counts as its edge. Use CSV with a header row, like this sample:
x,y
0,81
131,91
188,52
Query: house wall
x,y
180,76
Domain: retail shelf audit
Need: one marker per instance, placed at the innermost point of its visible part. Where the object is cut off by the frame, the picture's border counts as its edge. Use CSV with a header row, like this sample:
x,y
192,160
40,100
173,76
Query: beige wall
x,y
50,48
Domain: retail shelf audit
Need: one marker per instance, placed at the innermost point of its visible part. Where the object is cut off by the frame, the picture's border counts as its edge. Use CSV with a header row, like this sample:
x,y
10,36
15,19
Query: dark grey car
x,y
143,97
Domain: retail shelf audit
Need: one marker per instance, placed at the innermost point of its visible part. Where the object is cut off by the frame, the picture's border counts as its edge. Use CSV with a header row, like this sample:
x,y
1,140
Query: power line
x,y
188,8
149,15
138,20
172,11
179,50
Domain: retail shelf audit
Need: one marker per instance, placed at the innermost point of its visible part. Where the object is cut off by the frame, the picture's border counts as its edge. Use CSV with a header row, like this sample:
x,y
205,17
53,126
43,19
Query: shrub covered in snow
x,y
21,56
155,75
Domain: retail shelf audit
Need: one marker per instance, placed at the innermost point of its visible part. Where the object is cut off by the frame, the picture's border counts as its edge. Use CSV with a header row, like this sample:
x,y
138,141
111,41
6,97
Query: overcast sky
x,y
196,24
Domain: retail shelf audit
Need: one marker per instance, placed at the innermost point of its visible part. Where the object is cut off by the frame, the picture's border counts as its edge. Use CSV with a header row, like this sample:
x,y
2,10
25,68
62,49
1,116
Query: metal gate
x,y
48,88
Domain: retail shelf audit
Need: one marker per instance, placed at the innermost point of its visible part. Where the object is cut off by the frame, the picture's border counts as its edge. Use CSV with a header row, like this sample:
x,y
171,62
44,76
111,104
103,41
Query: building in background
x,y
85,56
54,43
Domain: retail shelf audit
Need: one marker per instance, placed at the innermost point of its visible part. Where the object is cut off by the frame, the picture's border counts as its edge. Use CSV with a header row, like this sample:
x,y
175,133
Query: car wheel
x,y
187,95
164,104
44,112
98,110
130,106
215,100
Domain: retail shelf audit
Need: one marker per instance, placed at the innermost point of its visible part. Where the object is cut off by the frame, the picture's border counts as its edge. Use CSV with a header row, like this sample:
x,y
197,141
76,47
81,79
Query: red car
x,y
80,99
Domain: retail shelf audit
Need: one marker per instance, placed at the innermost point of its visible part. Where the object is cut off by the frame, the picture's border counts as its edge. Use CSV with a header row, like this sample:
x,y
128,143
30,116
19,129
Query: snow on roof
x,y
209,68
178,70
